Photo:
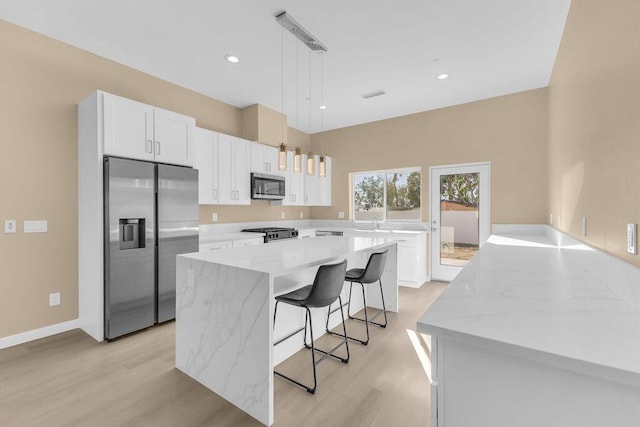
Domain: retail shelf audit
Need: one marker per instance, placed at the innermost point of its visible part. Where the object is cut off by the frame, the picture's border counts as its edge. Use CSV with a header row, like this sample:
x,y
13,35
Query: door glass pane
x,y
368,197
403,196
459,219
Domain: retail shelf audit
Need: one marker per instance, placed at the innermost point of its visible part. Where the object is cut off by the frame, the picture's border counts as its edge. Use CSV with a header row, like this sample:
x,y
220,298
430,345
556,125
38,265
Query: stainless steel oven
x,y
269,187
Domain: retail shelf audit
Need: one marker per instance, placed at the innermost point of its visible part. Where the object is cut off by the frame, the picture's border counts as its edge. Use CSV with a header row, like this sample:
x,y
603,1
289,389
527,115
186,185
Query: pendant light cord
x,y
282,79
322,106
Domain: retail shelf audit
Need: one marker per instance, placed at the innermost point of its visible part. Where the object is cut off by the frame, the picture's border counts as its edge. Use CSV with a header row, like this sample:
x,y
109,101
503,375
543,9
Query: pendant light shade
x,y
322,167
311,163
282,157
297,161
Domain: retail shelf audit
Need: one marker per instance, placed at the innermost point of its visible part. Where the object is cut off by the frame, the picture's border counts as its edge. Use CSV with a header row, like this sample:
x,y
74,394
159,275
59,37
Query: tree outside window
x,y
387,195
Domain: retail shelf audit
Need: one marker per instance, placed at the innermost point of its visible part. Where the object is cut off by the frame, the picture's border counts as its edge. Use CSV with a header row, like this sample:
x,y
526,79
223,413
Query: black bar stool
x,y
323,292
370,274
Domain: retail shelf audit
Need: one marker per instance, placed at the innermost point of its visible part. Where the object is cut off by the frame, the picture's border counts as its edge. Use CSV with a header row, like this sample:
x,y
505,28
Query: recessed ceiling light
x,y
442,76
323,107
232,58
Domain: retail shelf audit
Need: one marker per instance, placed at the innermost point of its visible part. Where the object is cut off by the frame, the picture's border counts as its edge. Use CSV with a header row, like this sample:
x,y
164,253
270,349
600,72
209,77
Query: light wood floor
x,y
70,380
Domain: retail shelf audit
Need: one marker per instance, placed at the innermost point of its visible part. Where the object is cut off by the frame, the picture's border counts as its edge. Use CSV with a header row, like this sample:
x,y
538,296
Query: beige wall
x,y
594,127
41,82
509,131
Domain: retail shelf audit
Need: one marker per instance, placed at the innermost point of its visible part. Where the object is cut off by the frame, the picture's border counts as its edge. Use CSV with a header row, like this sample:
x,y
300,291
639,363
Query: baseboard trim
x,y
36,334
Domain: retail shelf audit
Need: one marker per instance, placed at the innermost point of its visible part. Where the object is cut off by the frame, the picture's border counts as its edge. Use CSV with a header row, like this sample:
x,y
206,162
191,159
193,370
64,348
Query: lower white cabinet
x,y
412,254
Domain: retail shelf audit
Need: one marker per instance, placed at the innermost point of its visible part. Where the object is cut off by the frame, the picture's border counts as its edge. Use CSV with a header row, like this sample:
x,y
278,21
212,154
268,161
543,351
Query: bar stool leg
x,y
384,308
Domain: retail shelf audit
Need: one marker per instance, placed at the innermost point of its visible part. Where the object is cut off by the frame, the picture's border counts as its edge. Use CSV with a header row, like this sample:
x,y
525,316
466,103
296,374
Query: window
x,y
389,195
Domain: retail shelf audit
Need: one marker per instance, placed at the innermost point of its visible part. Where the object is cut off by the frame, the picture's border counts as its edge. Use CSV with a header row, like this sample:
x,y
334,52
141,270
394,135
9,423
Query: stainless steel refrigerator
x,y
150,216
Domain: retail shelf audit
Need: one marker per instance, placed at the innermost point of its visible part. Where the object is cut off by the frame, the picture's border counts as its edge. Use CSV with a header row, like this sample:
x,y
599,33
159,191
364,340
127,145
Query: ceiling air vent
x,y
374,94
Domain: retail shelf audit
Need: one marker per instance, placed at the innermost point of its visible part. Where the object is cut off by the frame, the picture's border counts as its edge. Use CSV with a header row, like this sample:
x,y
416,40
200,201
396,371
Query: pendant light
x,y
282,154
311,161
297,156
322,164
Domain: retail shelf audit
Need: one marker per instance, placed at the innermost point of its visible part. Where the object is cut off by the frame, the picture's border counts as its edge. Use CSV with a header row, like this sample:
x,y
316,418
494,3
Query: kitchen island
x,y
538,329
225,303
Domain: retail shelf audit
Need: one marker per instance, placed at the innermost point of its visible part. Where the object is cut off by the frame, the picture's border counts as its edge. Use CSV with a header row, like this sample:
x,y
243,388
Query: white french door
x,y
460,211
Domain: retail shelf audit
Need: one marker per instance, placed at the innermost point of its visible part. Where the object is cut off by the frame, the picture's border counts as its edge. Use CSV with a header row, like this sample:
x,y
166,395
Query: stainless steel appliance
x,y
274,233
269,187
150,216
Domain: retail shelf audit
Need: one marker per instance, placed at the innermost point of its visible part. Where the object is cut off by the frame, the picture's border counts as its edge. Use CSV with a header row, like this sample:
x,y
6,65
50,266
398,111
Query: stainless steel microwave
x,y
269,187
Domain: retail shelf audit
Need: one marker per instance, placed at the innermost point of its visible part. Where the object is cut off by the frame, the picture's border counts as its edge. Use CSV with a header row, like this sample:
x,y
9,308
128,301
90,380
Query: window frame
x,y
384,172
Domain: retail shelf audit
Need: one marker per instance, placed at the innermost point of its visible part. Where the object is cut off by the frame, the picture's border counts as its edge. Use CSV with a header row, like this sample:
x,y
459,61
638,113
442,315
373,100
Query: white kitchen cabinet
x,y
206,161
317,189
412,253
234,159
264,159
139,131
223,165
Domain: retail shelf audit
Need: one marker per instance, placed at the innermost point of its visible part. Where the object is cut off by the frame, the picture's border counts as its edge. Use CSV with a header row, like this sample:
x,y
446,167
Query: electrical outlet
x,y
9,225
301,215
214,217
341,215
54,299
282,215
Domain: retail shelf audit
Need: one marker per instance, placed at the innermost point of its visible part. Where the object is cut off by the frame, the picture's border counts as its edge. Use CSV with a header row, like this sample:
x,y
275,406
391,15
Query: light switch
x,y
54,299
632,238
10,226
35,226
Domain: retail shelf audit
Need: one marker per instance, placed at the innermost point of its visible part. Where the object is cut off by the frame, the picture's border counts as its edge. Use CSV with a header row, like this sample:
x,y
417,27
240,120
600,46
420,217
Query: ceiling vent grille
x,y
374,94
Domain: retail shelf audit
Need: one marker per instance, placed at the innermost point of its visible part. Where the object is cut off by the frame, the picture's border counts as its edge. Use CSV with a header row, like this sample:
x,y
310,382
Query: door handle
x,y
157,148
148,148
434,229
215,194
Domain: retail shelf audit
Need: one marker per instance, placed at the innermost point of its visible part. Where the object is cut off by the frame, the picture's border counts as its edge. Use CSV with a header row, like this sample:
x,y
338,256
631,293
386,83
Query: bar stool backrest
x,y
375,267
327,285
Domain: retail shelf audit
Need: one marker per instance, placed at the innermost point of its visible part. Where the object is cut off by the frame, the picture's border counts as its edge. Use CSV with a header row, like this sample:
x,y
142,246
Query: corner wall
x,y
509,131
594,124
41,82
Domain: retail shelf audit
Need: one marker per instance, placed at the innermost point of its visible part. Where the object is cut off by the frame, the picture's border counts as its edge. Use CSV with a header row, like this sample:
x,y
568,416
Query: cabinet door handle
x,y
148,148
157,148
215,194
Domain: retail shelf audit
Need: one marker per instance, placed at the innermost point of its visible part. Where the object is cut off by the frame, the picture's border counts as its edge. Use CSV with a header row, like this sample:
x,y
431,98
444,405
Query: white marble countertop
x,y
555,299
285,256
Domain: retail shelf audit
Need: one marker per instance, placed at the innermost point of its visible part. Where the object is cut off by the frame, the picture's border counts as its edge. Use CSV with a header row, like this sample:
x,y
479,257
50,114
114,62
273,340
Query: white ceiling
x,y
489,48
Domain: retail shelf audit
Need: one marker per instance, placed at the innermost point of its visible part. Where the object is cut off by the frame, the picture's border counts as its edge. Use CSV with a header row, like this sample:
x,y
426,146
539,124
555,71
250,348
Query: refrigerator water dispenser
x,y
132,233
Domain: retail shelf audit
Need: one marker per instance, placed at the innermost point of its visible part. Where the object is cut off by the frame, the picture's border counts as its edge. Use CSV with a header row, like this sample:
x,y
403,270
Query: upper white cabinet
x,y
264,159
223,165
317,189
128,128
293,184
233,170
206,161
140,131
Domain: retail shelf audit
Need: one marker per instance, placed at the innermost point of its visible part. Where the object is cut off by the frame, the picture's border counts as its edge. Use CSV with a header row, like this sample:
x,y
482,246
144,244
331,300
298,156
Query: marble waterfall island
x,y
225,303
